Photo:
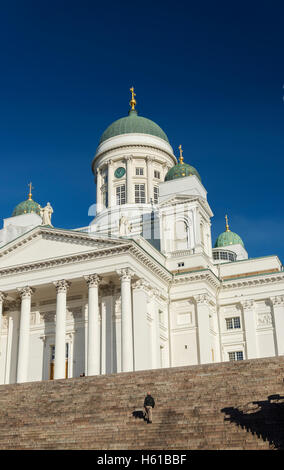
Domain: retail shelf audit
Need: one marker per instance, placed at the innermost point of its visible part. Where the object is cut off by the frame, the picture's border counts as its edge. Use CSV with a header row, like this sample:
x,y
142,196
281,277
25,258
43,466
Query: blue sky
x,y
211,74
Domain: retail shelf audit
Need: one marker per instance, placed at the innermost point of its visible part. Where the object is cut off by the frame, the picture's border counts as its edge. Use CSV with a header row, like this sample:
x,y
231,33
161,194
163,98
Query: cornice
x,y
196,276
253,281
111,151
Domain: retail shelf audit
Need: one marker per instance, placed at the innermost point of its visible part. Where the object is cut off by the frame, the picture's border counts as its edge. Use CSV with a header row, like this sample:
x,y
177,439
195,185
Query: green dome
x,y
133,124
26,207
228,238
180,170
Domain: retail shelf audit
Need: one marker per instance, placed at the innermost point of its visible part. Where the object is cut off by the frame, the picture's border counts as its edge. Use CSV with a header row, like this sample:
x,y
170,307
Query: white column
x,y
110,183
250,328
9,350
129,180
24,335
93,355
278,313
99,193
203,328
126,320
150,177
142,341
60,329
2,298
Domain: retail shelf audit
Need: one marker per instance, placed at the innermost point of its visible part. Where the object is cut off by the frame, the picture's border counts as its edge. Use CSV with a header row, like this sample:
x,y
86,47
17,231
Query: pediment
x,y
44,243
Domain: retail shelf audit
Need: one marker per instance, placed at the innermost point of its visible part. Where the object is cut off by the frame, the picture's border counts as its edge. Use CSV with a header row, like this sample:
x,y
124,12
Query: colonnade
x,y
93,343
128,161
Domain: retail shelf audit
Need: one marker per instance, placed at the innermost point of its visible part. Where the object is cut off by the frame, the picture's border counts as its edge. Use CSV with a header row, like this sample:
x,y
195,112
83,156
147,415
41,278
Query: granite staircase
x,y
231,405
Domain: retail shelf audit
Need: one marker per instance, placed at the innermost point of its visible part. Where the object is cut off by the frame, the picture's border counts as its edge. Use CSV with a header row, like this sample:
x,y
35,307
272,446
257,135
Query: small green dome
x,y
133,124
228,238
26,207
180,170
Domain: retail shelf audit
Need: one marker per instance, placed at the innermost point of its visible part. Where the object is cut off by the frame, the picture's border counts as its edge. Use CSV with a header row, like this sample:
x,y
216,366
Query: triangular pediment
x,y
43,243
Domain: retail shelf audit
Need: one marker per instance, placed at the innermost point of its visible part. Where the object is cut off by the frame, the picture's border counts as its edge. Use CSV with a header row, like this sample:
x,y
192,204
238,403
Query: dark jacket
x,y
149,401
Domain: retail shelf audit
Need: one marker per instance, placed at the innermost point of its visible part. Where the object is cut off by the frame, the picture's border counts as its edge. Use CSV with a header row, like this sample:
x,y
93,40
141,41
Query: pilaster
x,y
278,314
203,323
250,328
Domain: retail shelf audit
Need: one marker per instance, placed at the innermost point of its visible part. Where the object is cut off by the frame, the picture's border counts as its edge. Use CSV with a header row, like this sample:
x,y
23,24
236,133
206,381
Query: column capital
x,y
110,162
125,274
128,158
62,286
277,300
2,296
149,159
247,304
202,299
26,292
93,280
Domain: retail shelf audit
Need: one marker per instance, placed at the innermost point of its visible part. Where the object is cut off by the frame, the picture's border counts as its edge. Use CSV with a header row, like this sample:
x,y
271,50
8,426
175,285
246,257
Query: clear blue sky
x,y
211,74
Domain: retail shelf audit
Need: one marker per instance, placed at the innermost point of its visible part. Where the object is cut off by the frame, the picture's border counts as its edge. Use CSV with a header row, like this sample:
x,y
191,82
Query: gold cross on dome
x,y
227,225
133,100
30,193
180,154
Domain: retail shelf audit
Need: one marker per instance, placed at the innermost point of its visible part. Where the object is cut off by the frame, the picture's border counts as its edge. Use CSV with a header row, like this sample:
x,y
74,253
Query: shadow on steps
x,y
262,418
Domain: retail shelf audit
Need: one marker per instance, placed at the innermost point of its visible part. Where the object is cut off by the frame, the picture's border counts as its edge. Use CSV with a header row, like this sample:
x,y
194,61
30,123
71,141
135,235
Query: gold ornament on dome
x,y
180,154
133,100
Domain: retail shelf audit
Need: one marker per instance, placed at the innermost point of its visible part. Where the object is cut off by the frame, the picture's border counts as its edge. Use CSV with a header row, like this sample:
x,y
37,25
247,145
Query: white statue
x,y
45,213
124,226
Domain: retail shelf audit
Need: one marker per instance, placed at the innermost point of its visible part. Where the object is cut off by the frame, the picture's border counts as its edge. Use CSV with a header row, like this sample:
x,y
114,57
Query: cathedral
x,y
142,286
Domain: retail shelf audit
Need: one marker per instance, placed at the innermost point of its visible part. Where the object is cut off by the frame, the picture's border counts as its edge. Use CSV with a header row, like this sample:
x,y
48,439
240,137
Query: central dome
x,y
133,124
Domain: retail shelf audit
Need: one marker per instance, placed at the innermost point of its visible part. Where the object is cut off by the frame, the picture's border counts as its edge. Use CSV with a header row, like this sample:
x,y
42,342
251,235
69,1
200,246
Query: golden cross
x,y
133,100
180,154
227,225
30,193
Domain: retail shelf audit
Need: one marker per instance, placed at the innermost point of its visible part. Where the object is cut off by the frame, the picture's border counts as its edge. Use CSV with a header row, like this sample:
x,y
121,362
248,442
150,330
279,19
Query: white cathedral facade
x,y
139,288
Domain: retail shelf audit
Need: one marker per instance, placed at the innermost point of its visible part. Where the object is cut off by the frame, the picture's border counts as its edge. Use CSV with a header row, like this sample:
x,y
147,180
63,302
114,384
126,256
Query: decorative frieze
x,y
264,320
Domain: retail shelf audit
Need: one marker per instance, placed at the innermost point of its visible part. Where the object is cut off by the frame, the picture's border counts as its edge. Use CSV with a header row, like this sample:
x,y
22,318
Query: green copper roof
x,y
133,124
27,207
180,170
228,238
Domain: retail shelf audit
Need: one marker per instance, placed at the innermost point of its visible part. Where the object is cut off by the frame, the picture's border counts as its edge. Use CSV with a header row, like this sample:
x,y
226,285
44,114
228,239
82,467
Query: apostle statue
x,y
45,213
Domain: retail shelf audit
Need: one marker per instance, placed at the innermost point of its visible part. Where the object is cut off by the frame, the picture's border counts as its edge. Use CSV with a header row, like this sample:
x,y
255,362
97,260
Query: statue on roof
x,y
45,213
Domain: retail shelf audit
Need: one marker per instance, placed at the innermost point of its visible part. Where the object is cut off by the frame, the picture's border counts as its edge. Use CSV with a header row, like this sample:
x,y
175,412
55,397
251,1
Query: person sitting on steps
x,y
149,404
